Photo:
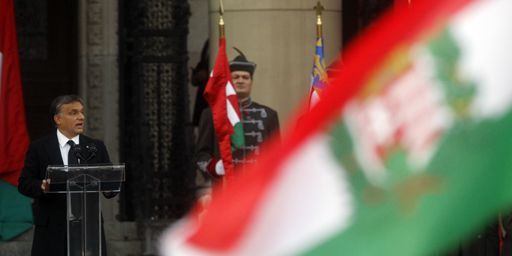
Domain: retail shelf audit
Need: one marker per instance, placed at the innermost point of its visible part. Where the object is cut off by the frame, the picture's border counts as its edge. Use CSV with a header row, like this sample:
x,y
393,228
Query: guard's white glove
x,y
215,167
219,168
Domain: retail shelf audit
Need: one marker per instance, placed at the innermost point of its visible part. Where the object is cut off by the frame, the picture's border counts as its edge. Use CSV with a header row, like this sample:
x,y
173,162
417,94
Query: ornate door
x,y
155,125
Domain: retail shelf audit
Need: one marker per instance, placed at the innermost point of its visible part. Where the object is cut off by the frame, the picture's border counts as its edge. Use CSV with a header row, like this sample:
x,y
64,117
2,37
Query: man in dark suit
x,y
50,235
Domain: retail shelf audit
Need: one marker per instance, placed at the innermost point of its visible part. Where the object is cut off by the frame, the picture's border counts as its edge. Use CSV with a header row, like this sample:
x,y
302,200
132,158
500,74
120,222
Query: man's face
x,y
242,82
71,119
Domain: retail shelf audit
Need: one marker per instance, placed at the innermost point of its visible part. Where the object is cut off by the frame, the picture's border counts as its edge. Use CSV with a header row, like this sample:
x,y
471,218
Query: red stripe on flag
x,y
232,209
13,133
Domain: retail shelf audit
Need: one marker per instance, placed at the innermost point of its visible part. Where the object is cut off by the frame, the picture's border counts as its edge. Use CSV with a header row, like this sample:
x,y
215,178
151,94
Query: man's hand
x,y
45,185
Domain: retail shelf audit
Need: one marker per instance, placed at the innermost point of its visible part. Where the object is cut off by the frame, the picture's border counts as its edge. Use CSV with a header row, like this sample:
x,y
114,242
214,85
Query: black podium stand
x,y
82,185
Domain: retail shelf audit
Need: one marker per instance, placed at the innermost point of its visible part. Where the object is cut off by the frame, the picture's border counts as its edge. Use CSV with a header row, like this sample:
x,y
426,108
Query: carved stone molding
x,y
99,77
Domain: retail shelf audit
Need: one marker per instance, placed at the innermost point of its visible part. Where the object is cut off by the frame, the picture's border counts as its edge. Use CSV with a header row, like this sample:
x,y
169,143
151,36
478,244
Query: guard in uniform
x,y
259,123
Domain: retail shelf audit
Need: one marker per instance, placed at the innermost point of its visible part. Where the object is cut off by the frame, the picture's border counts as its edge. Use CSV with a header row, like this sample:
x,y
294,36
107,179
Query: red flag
x,y
13,133
403,2
221,97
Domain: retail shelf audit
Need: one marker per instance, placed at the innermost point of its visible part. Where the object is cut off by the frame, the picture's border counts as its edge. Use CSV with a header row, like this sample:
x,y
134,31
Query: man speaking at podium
x,y
58,148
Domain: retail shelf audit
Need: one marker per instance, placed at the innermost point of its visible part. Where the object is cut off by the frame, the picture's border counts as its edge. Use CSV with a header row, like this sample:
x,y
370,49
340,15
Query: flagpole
x,y
222,34
319,8
318,74
221,20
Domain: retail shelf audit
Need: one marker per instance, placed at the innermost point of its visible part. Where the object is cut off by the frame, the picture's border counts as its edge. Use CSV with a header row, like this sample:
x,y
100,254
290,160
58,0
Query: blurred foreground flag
x,y
408,151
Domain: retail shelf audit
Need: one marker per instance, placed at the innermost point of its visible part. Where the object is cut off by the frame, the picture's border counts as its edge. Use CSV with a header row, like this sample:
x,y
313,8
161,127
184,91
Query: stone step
x,y
124,248
122,240
15,248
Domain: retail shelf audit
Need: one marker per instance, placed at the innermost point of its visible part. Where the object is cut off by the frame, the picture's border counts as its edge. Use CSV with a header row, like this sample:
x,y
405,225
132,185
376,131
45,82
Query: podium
x,y
82,185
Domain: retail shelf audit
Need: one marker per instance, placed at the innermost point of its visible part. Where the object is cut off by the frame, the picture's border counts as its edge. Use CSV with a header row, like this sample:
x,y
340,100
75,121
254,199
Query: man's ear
x,y
56,119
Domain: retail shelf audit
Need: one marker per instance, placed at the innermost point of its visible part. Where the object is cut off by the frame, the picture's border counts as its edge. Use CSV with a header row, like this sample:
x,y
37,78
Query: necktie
x,y
72,159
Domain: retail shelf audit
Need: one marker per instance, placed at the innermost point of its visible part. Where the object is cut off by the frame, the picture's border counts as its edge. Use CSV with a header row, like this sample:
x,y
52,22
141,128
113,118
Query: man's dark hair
x,y
61,100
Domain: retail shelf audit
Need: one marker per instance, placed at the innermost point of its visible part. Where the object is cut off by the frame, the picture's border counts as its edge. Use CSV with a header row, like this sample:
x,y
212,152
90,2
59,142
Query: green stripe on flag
x,y
237,138
15,212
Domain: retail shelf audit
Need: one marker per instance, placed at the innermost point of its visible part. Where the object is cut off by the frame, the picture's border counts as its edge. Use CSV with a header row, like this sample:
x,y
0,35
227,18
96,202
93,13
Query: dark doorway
x,y
155,140
47,41
358,14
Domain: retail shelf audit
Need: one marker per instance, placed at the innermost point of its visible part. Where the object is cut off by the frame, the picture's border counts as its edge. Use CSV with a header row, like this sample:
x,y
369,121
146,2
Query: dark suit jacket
x,y
50,209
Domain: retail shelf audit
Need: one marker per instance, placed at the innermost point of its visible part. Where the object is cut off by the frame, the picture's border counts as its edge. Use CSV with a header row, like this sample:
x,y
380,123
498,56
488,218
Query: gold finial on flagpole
x,y
319,8
221,19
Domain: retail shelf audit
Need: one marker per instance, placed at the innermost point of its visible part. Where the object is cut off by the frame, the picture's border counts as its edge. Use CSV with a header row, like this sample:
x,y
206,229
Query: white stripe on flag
x,y
481,41
229,89
232,115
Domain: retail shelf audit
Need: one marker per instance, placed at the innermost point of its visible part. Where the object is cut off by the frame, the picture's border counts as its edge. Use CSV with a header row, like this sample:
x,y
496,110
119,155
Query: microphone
x,y
91,149
78,152
84,155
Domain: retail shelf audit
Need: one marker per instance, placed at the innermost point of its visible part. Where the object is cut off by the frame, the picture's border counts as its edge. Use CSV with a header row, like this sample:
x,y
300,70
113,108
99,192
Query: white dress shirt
x,y
64,146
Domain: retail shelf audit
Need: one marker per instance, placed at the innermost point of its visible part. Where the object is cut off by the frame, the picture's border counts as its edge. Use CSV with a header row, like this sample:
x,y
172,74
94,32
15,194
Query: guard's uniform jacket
x,y
259,123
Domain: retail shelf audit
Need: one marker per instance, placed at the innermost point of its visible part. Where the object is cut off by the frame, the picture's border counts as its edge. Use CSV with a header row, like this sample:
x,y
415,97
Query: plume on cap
x,y
240,63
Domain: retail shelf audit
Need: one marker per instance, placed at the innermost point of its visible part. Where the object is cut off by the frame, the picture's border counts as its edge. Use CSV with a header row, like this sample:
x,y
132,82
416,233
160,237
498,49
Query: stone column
x,y
279,36
99,83
98,70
